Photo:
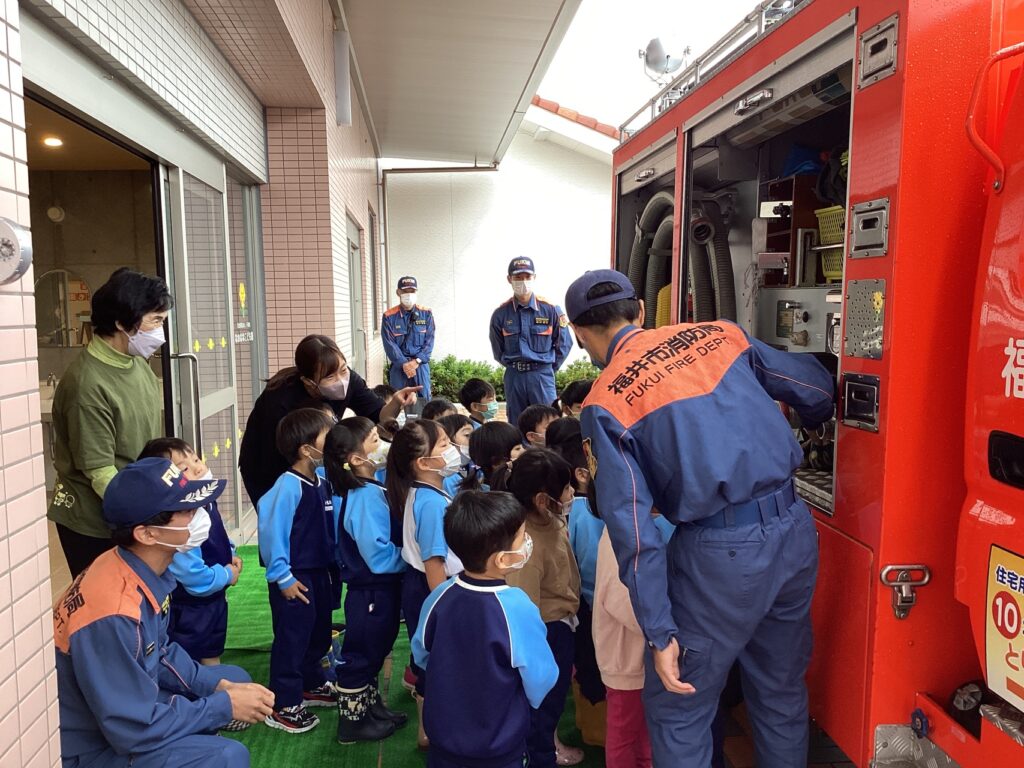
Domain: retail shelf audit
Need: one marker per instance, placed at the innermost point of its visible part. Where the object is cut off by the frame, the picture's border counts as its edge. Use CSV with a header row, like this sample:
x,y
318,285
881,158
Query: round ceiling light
x,y
53,141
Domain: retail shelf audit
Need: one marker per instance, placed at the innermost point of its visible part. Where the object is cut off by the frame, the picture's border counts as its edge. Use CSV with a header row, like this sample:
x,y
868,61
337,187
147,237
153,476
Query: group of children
x,y
483,535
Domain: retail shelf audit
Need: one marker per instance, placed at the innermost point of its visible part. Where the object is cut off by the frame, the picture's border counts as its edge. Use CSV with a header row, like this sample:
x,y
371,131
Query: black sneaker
x,y
325,695
295,719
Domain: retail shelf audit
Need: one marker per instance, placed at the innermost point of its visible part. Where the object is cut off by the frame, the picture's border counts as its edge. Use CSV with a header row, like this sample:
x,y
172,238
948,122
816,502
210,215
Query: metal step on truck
x,y
846,179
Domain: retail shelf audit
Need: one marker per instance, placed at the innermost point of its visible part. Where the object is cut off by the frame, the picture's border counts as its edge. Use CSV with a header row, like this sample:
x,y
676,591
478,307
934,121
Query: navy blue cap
x,y
148,487
407,282
576,301
521,264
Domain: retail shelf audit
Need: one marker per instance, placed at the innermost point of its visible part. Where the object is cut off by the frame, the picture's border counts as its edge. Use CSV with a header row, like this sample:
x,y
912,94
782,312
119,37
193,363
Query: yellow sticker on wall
x,y
1004,635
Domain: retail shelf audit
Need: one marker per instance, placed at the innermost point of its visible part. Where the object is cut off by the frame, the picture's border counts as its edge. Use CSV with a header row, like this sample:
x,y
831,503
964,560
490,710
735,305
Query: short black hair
x,y
533,415
161,448
474,391
538,470
565,438
492,443
298,428
452,423
126,298
622,310
478,524
575,393
436,408
125,536
384,391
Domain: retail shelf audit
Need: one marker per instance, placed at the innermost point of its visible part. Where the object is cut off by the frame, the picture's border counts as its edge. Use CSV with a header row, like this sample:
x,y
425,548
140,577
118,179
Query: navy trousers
x,y
302,636
371,626
201,627
741,593
524,388
435,760
543,721
196,751
414,593
398,379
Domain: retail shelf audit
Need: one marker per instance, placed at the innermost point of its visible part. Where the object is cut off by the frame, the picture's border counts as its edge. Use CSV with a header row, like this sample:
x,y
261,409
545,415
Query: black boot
x,y
354,720
380,711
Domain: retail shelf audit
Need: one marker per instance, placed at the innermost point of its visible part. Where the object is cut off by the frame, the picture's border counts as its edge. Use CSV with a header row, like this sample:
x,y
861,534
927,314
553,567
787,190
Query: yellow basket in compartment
x,y
832,264
831,224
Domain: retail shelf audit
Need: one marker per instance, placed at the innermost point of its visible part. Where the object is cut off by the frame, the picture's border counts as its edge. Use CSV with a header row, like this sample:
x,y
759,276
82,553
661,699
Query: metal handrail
x,y
766,16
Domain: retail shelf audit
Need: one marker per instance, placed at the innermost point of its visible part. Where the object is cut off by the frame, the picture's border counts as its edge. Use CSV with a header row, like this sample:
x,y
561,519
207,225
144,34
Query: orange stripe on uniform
x,y
108,587
652,369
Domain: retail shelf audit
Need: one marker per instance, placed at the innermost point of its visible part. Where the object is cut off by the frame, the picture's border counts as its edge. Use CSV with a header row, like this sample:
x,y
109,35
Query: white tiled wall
x,y
28,684
159,47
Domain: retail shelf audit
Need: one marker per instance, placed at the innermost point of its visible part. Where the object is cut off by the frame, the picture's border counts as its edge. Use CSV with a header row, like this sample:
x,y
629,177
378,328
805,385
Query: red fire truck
x,y
846,179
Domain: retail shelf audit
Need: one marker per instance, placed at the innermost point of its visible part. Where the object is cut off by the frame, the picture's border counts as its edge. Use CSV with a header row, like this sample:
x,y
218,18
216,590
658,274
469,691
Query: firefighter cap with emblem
x,y
576,301
521,265
407,283
148,487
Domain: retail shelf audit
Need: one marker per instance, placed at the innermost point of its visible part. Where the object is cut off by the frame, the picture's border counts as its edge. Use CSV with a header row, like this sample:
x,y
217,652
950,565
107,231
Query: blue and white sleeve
x,y
275,514
429,516
196,576
531,654
422,640
367,521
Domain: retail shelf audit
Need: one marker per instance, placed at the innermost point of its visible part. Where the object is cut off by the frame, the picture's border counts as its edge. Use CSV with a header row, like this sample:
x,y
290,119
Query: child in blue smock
x,y
297,538
421,457
198,620
370,557
483,641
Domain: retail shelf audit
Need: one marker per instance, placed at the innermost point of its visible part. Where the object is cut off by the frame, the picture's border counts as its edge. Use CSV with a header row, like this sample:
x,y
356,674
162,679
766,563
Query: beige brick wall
x,y
28,682
319,173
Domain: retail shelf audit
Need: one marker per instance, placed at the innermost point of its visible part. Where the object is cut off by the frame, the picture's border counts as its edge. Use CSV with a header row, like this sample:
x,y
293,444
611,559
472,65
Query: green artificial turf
x,y
248,646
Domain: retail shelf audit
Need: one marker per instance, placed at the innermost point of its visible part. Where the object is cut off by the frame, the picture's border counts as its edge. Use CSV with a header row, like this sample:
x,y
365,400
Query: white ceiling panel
x,y
451,80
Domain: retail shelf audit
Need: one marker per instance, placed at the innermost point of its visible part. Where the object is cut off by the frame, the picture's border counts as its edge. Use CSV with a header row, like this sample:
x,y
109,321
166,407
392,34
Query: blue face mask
x,y
490,410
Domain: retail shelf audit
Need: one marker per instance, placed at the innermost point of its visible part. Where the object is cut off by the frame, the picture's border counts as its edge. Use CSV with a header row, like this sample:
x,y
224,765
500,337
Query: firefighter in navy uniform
x,y
128,696
683,419
407,330
530,337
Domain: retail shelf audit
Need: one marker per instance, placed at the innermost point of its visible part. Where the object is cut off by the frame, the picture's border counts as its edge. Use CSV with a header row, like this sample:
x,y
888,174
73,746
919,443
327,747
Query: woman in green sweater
x,y
106,408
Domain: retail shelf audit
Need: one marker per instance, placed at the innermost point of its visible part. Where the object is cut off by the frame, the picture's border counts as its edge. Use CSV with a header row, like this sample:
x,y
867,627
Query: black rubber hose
x,y
660,204
721,258
659,269
701,282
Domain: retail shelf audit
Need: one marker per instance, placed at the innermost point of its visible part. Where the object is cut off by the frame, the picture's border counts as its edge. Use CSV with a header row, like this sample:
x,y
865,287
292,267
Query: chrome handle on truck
x,y
752,100
903,595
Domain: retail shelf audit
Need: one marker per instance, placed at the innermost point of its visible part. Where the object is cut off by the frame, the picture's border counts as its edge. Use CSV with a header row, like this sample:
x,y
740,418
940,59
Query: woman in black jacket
x,y
320,373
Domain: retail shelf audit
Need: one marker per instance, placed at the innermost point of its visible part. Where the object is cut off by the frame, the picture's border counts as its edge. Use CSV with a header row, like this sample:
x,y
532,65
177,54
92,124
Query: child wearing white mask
x,y
205,566
420,459
542,482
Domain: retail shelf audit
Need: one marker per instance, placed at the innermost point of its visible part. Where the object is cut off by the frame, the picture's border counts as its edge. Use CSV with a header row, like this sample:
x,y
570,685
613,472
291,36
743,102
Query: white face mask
x,y
408,300
400,418
452,461
524,552
464,453
380,456
207,476
144,343
522,287
198,531
376,465
338,389
562,508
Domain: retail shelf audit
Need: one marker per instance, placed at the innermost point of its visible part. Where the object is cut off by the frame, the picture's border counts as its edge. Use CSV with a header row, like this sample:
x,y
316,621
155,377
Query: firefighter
x,y
683,419
530,337
407,330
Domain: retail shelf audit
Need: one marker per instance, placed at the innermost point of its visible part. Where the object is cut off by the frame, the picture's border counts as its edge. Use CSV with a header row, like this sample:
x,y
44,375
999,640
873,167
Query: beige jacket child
x,y
618,641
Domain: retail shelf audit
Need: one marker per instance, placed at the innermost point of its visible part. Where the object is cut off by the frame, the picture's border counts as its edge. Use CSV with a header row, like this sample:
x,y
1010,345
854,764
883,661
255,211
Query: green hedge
x,y
448,374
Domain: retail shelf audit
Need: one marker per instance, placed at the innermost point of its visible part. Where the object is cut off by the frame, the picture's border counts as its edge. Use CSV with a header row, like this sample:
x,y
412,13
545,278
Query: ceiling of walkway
x,y
451,80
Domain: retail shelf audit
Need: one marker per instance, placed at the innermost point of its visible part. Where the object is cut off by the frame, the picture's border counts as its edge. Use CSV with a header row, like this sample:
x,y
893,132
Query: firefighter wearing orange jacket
x,y
683,419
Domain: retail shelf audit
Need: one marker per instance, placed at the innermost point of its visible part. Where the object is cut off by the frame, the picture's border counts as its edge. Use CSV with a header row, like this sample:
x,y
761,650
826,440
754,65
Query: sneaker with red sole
x,y
295,719
409,680
325,695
